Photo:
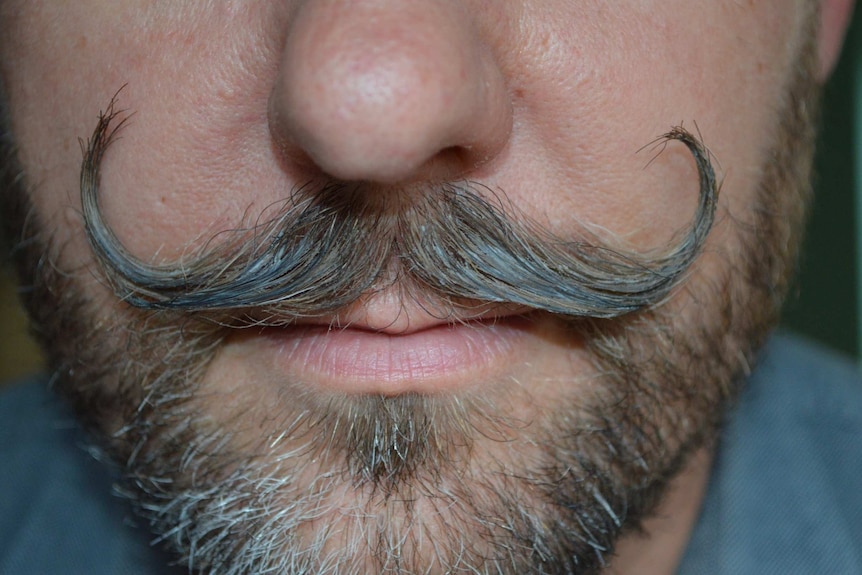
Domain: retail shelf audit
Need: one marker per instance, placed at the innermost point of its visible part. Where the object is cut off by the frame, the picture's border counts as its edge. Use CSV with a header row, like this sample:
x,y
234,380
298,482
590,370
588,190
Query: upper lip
x,y
390,312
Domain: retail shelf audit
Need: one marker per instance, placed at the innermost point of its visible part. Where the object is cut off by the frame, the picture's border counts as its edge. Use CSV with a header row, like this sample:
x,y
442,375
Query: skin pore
x,y
536,460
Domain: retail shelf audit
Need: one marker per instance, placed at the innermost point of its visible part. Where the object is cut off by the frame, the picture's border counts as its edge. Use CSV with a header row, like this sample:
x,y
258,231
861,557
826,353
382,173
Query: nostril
x,y
453,162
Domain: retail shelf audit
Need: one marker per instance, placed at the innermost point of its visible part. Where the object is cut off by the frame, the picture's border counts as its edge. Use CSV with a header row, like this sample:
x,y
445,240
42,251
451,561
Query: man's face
x,y
395,422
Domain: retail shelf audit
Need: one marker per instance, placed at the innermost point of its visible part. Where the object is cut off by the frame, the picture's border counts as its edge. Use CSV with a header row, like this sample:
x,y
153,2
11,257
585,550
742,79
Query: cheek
x,y
197,156
58,75
196,140
601,84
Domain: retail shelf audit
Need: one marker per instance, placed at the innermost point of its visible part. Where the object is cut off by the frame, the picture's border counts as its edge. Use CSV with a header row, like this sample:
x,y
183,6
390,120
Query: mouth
x,y
438,358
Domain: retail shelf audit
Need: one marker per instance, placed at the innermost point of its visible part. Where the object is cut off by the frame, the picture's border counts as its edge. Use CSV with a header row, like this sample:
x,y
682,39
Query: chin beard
x,y
414,484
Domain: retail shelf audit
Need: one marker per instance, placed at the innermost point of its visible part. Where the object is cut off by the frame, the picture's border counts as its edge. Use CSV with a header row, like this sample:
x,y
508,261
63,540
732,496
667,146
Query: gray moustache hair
x,y
329,246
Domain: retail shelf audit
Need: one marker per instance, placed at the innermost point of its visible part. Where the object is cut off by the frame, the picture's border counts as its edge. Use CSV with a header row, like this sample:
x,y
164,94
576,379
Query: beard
x,y
504,479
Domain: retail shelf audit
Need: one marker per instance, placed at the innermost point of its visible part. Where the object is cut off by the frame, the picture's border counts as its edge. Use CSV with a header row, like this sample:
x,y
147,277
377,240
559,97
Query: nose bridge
x,y
386,90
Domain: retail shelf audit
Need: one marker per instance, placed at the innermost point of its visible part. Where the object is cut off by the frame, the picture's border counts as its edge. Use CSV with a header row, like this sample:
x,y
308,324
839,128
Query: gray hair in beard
x,y
325,249
330,246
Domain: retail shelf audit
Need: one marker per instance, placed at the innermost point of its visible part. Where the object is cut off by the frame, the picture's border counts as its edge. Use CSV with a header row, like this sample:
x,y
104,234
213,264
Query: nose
x,y
389,91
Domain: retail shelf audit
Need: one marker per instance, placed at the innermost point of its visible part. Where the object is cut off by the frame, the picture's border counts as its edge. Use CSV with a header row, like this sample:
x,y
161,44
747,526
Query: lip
x,y
438,359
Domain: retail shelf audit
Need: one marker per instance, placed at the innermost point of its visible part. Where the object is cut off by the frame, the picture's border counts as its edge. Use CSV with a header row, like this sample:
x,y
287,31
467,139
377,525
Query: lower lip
x,y
440,359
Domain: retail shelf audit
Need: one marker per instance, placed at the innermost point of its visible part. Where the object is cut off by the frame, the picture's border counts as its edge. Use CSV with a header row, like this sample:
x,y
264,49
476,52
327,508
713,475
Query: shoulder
x,y
806,378
57,511
786,490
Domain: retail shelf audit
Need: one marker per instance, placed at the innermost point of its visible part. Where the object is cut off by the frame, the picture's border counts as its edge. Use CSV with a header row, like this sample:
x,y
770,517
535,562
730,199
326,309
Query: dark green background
x,y
823,303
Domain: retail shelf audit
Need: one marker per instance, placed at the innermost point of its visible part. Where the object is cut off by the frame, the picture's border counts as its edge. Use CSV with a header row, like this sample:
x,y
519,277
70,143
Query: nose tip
x,y
389,91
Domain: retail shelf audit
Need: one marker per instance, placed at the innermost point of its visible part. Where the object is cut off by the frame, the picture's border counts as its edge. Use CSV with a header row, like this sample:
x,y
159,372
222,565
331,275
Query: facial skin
x,y
510,440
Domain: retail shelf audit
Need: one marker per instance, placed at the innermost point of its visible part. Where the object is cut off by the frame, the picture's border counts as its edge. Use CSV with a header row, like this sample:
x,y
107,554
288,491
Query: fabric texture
x,y
785,495
58,514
